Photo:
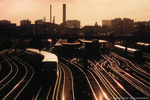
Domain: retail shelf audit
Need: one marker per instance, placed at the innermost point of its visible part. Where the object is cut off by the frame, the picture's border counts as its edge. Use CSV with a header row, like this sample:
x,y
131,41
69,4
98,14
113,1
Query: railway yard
x,y
73,74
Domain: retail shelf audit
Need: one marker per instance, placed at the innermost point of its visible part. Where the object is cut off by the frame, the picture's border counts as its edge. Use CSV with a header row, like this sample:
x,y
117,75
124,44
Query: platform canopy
x,y
90,41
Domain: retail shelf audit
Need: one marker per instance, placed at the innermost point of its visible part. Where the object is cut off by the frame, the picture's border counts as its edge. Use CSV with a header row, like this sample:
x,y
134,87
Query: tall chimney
x,y
50,13
54,19
64,14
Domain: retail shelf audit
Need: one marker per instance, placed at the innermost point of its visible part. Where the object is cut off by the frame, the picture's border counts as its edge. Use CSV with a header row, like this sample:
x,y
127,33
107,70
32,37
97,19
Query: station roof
x,y
57,45
72,44
103,41
90,41
48,57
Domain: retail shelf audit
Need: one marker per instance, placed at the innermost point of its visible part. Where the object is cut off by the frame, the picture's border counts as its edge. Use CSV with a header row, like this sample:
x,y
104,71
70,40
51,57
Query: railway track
x,y
23,82
112,77
110,88
82,87
133,67
68,84
113,87
17,79
57,85
100,84
5,71
140,86
10,77
135,71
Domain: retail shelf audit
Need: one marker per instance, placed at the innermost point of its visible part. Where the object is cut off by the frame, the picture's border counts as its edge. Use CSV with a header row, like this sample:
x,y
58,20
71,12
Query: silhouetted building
x,y
39,21
73,24
25,27
8,28
106,23
42,27
39,26
90,31
127,26
25,22
116,26
105,30
4,22
122,27
142,29
94,29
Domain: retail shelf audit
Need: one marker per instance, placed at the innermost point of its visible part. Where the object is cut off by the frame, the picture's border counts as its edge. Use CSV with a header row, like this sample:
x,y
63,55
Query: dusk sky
x,y
87,11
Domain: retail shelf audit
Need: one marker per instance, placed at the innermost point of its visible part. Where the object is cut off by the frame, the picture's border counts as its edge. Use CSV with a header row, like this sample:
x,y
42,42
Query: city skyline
x,y
87,11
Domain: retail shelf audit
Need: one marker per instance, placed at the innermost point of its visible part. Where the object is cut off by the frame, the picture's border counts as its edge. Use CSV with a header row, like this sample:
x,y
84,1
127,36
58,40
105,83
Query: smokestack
x,y
54,19
64,14
50,13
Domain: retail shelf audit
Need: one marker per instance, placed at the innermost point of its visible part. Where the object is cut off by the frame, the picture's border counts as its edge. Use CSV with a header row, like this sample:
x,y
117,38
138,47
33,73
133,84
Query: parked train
x,y
137,54
49,63
143,46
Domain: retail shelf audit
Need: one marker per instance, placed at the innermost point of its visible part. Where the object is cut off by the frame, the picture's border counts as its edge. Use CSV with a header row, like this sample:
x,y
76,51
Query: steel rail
x,y
73,97
127,79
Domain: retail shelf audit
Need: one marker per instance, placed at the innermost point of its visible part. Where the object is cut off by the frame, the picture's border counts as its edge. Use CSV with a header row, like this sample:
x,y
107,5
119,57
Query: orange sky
x,y
87,11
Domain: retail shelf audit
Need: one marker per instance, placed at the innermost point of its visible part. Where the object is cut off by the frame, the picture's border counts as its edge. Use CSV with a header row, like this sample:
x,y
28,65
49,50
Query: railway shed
x,y
93,44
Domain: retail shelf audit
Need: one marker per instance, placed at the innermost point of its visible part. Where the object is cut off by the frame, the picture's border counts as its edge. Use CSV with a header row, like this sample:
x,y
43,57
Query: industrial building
x,y
73,24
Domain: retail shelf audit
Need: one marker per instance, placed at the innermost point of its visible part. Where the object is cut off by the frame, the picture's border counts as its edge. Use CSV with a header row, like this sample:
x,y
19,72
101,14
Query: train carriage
x,y
49,63
137,54
143,46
